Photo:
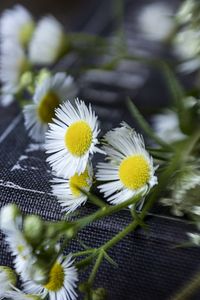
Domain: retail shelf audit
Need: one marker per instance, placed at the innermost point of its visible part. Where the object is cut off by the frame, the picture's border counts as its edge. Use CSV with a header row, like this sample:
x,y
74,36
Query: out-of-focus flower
x,y
152,15
48,42
8,280
13,63
48,96
11,225
72,138
129,170
167,125
194,238
67,190
62,281
22,252
188,12
16,25
187,49
10,218
184,190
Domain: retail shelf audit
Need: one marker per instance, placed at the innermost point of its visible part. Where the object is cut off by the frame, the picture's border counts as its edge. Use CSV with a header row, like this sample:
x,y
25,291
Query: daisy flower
x,y
67,190
184,190
17,24
13,64
11,224
22,252
129,170
62,282
8,280
48,41
152,15
48,95
186,11
72,138
167,124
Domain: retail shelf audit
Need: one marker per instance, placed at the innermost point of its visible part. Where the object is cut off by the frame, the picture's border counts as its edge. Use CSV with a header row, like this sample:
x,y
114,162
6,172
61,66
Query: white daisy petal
x,y
72,139
48,95
129,170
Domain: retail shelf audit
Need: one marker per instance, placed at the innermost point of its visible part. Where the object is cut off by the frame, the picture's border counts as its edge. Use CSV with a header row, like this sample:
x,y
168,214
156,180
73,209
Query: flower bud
x,y
33,228
84,287
99,294
10,218
39,273
26,79
43,75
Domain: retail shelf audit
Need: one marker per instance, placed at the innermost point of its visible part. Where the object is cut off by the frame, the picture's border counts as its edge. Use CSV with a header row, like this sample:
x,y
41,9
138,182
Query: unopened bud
x,y
43,75
84,287
99,294
39,273
33,228
26,79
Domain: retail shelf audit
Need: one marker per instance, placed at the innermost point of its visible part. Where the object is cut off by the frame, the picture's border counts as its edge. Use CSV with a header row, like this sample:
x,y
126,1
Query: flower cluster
x,y
25,44
186,41
39,278
71,142
69,130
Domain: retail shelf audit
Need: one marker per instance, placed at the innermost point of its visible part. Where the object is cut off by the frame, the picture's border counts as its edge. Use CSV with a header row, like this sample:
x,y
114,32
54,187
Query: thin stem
x,y
117,238
145,126
96,267
84,262
84,252
189,290
96,200
106,211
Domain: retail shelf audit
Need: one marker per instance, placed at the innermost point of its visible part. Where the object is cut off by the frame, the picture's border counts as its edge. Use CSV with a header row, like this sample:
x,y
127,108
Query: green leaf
x,y
109,259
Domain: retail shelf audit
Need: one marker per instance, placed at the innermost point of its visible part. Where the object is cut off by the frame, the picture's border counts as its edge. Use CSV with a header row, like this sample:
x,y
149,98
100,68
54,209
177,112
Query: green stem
x,y
84,262
189,290
96,267
85,252
96,200
105,211
145,126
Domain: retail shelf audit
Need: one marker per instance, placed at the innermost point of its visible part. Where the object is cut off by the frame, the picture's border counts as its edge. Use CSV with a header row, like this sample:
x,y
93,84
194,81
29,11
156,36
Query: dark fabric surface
x,y
149,265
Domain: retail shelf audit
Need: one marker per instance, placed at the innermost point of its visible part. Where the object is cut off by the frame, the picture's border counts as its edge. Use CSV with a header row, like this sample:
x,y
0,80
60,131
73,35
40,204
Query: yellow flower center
x,y
77,182
134,172
56,278
78,138
20,248
26,33
47,106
